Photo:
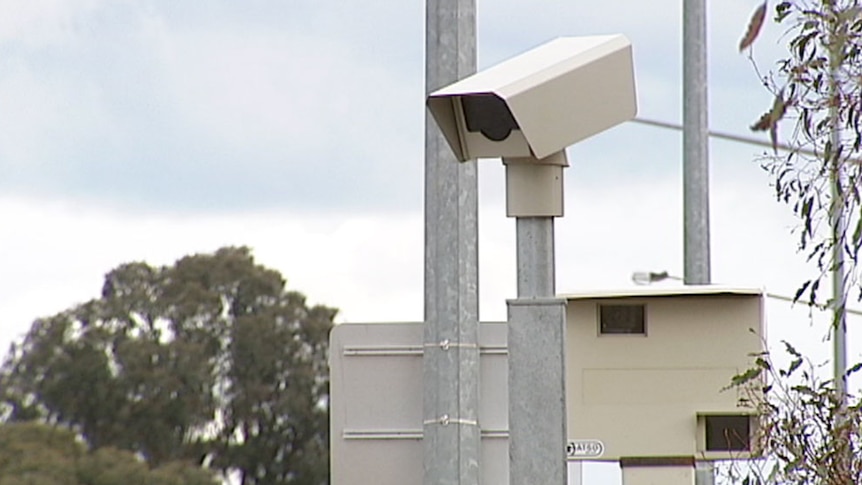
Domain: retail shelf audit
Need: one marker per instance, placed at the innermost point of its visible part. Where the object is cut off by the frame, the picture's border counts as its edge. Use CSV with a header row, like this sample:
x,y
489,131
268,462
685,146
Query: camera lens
x,y
489,115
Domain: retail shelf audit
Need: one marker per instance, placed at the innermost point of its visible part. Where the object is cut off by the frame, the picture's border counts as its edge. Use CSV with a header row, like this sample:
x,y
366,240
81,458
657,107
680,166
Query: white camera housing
x,y
538,103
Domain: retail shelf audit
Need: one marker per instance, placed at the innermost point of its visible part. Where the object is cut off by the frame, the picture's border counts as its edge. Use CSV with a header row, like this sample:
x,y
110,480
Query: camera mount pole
x,y
537,325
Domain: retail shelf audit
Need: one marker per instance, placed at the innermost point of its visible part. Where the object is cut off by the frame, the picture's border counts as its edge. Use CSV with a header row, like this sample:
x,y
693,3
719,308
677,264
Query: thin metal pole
x,y
836,212
695,143
535,248
695,147
537,323
839,342
451,435
839,229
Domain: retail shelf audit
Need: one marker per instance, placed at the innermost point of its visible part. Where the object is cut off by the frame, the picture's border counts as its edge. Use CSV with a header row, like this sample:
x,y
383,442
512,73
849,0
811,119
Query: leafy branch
x,y
817,92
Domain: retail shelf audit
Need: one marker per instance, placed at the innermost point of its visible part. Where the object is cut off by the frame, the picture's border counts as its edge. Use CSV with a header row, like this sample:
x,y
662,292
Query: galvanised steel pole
x,y
537,326
838,224
695,144
451,435
839,229
695,147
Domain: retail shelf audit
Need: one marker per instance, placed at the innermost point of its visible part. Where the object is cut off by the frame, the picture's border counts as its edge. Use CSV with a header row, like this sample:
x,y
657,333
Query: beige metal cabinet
x,y
646,368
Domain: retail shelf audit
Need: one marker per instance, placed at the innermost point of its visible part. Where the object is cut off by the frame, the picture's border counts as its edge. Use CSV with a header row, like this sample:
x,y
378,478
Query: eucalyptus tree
x,y
211,359
810,426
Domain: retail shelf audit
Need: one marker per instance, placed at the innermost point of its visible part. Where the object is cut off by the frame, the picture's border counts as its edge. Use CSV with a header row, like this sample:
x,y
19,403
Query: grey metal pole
x,y
695,142
837,221
451,435
535,265
537,339
836,212
839,341
695,147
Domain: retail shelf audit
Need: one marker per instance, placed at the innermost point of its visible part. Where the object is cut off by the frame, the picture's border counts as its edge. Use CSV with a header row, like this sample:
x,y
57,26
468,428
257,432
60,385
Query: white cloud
x,y
226,104
44,119
58,253
281,89
39,23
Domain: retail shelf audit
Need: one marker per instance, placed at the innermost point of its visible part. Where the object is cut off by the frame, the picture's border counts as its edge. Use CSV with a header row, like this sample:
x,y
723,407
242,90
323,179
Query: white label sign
x,y
583,449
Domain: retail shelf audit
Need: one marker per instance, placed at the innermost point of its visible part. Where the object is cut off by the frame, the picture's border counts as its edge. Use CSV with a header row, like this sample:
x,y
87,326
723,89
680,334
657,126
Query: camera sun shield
x,y
539,102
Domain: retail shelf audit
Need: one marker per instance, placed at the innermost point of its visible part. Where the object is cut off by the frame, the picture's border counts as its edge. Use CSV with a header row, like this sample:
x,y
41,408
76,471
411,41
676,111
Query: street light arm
x,y
649,277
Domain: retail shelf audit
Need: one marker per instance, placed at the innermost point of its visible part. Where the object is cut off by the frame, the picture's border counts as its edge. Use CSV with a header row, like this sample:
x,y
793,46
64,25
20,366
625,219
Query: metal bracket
x,y
445,344
445,420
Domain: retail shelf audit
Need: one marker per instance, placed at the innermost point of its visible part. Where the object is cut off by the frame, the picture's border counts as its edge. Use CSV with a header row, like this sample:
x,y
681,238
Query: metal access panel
x,y
376,404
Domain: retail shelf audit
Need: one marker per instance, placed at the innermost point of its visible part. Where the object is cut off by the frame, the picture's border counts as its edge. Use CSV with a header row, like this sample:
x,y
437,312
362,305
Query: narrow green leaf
x,y
799,293
754,26
746,376
794,365
791,349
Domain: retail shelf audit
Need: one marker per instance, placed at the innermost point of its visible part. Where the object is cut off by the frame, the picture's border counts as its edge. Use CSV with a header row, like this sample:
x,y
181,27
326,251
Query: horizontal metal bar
x,y
382,350
382,434
407,350
728,136
446,421
494,350
408,434
495,433
819,306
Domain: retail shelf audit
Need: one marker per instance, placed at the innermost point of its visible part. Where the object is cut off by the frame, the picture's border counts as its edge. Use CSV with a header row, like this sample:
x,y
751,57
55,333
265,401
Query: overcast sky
x,y
147,130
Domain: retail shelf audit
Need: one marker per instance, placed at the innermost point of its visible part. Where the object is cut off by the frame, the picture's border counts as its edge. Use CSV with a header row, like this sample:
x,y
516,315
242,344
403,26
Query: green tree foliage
x,y
810,427
808,433
817,90
39,454
208,360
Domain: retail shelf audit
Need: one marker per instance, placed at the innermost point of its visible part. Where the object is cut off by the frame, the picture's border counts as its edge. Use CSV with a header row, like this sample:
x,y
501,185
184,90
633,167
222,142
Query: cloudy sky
x,y
147,130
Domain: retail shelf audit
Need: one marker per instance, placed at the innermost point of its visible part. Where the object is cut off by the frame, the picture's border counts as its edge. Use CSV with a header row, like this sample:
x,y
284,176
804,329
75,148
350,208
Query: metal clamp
x,y
445,420
446,344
